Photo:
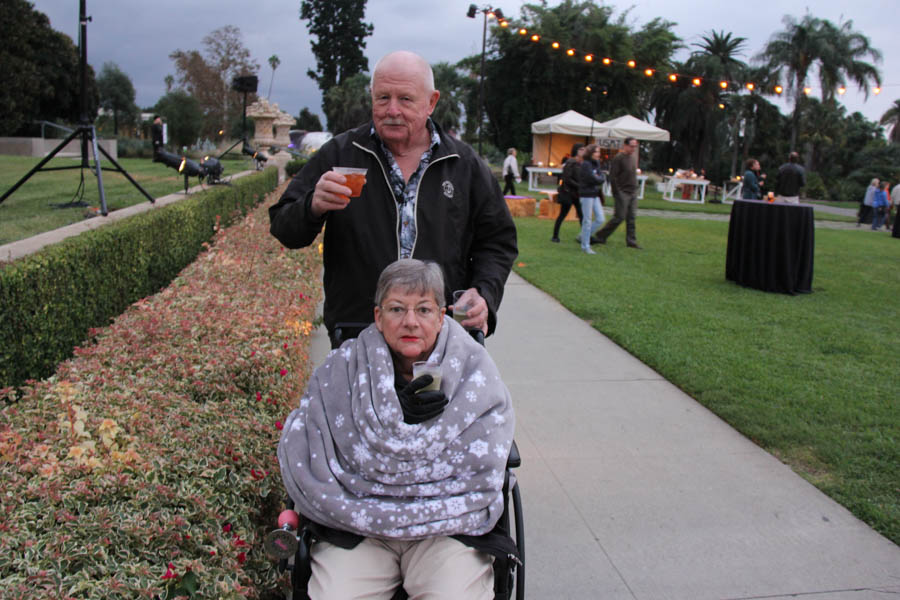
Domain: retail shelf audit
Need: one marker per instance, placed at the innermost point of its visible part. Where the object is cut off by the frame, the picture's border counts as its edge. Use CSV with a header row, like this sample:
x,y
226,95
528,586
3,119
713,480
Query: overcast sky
x,y
138,36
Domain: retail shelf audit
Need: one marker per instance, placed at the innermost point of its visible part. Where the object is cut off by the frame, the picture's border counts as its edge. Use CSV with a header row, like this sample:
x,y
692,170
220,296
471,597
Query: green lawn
x,y
810,378
30,209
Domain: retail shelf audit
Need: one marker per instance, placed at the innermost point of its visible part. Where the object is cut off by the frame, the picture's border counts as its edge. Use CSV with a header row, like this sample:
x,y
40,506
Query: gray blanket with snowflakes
x,y
350,462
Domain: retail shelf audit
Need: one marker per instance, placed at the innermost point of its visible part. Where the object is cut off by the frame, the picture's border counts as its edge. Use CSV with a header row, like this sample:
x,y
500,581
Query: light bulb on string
x,y
673,77
751,86
555,45
876,91
778,89
607,61
648,72
571,51
631,64
535,38
696,82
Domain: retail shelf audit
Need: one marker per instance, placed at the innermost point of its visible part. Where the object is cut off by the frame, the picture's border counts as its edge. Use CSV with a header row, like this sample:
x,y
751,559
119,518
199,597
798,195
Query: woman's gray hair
x,y
411,275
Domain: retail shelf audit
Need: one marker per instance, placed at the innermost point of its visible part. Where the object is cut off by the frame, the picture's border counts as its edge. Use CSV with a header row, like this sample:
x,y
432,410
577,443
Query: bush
x,y
133,148
50,299
848,190
815,187
293,167
146,465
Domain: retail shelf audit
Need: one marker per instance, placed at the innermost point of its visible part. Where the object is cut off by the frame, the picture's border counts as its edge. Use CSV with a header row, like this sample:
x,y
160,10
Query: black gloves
x,y
419,407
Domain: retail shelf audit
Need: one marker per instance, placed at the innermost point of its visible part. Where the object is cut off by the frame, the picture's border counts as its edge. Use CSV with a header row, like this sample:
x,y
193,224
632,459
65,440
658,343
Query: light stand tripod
x,y
85,132
246,84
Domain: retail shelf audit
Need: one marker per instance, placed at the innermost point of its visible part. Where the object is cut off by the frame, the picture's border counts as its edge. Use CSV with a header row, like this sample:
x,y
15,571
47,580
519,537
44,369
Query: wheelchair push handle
x,y
281,543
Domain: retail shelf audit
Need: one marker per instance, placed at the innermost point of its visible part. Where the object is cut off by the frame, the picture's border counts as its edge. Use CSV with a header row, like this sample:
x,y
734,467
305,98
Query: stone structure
x,y
272,124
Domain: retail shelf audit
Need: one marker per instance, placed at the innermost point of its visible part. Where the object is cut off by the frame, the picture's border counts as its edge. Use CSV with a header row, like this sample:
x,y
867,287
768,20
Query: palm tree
x,y
812,42
891,118
274,61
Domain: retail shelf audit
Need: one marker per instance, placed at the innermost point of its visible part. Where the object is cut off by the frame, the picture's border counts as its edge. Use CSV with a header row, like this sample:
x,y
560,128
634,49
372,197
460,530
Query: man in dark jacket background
x,y
791,177
427,196
623,180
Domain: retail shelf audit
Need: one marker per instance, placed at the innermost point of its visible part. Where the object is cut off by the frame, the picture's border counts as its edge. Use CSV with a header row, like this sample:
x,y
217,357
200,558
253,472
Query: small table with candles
x,y
698,189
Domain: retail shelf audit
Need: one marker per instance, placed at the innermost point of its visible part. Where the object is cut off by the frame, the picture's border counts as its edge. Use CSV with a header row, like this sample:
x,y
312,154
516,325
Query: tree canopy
x,y
208,77
40,71
339,38
183,115
308,121
116,94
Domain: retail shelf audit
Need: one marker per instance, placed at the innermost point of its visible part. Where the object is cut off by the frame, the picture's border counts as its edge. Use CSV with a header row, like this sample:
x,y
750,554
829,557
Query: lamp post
x,y
487,11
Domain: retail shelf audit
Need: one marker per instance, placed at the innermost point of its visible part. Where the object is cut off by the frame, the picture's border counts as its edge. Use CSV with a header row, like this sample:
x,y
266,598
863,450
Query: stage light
x,y
257,155
472,11
173,161
189,168
213,168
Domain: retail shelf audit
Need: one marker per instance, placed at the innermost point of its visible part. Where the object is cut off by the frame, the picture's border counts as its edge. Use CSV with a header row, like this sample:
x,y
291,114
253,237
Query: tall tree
x,y
891,118
348,104
448,112
308,121
184,117
208,76
274,61
116,94
812,43
40,71
339,38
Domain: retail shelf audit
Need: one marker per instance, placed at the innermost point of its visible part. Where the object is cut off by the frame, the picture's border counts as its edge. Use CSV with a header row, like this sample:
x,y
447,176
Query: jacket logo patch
x,y
448,189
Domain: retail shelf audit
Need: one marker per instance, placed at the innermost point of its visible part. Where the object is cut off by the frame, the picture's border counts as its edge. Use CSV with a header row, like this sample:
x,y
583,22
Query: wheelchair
x,y
293,540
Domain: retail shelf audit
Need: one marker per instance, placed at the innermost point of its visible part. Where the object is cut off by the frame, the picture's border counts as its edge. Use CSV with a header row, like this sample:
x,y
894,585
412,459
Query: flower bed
x,y
146,465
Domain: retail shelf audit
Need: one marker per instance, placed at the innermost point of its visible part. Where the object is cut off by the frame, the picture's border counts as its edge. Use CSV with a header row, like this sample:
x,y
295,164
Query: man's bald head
x,y
406,61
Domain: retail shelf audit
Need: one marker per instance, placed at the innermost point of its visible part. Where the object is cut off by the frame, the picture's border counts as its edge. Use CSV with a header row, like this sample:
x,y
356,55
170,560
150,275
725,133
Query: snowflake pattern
x,y
479,448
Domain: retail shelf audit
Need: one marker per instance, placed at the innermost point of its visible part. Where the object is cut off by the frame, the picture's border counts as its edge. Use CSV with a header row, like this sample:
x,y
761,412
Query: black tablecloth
x,y
770,246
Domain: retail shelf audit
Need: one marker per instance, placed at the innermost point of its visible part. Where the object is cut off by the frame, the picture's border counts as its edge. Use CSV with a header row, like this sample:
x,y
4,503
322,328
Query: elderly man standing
x,y
427,196
791,177
623,179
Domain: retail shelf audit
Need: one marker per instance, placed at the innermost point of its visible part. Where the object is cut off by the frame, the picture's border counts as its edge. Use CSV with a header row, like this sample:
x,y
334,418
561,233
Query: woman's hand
x,y
421,406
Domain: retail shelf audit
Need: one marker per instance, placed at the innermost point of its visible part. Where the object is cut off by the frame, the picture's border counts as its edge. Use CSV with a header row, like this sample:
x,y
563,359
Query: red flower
x,y
283,372
242,557
258,396
226,527
279,425
170,574
285,346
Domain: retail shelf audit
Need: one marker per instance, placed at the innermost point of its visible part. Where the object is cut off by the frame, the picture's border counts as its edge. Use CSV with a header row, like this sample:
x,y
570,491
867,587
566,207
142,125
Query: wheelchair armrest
x,y
514,461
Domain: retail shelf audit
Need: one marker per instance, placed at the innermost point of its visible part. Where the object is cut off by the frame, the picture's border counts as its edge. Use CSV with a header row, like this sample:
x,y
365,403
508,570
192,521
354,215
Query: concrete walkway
x,y
632,490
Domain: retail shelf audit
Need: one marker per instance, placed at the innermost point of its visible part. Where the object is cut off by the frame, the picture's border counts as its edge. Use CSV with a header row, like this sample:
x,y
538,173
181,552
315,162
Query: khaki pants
x,y
440,568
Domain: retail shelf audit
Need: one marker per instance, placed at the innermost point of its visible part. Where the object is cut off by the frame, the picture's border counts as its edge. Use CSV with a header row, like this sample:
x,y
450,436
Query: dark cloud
x,y
139,36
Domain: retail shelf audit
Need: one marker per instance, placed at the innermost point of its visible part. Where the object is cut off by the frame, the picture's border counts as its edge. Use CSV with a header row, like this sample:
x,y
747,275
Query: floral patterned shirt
x,y
405,191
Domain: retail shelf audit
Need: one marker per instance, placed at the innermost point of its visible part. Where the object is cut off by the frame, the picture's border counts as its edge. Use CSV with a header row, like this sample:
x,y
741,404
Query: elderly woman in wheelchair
x,y
400,484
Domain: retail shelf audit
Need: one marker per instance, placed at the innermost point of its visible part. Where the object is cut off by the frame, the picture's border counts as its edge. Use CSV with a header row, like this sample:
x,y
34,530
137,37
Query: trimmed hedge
x,y
49,300
145,467
293,167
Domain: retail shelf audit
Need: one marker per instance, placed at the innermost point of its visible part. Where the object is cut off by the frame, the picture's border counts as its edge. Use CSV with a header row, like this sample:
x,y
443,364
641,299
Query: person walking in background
x,y
750,190
510,173
879,205
865,207
590,182
894,200
623,178
568,189
791,177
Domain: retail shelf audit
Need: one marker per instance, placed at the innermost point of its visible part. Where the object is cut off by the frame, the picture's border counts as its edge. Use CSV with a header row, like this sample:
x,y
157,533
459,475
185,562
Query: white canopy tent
x,y
628,126
552,138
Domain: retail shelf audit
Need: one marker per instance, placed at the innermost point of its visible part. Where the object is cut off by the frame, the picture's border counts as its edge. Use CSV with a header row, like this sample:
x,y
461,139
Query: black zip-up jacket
x,y
462,223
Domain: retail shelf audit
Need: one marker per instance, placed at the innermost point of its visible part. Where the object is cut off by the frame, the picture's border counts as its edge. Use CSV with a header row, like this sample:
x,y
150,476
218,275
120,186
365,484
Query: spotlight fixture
x,y
473,10
213,167
183,165
257,155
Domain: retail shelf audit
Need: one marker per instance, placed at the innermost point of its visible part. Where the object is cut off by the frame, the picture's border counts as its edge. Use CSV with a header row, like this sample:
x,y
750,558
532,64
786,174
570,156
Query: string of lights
x,y
650,71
